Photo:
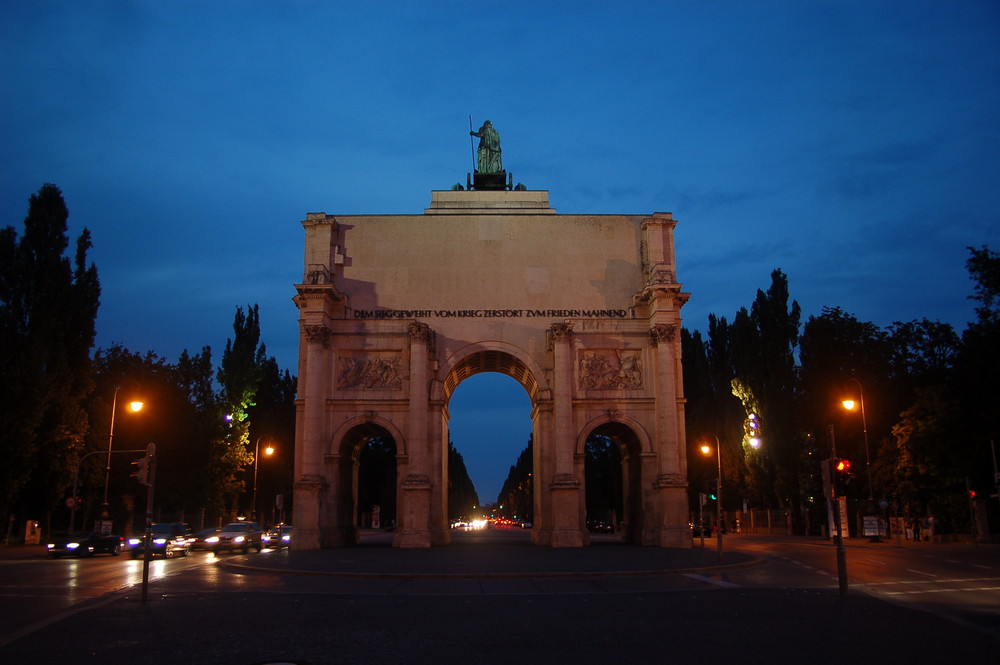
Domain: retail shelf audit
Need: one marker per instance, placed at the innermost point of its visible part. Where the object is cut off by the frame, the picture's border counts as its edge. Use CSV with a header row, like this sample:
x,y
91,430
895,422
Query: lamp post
x,y
718,503
256,456
849,405
135,406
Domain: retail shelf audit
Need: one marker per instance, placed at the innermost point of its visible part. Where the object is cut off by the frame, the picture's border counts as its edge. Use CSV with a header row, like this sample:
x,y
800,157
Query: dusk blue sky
x,y
853,145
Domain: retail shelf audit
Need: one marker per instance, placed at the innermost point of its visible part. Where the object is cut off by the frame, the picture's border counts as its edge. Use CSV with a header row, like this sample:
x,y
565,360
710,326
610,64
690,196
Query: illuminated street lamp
x,y
256,456
849,404
705,450
134,406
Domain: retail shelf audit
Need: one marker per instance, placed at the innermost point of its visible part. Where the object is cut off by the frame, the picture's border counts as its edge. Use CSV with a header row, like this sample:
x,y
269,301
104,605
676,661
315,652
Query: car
x,y
83,543
238,536
701,530
600,527
201,539
169,539
277,537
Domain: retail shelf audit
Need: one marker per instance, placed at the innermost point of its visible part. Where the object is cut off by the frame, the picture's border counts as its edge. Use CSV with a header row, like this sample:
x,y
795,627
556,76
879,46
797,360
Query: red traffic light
x,y
843,465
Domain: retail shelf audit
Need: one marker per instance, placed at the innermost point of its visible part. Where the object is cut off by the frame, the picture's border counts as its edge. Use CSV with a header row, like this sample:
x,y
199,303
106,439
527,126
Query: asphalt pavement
x,y
495,601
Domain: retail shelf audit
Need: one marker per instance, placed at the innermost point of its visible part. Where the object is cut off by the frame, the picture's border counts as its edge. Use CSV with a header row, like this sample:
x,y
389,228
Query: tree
x,y
47,311
933,459
765,380
173,417
462,495
517,494
272,420
239,374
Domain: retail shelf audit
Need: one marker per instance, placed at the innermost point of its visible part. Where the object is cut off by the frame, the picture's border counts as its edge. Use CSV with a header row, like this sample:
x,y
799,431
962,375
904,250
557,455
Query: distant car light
x,y
134,541
212,539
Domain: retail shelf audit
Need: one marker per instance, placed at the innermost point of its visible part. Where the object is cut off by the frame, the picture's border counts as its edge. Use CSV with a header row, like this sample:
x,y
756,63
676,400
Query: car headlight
x,y
72,546
238,539
286,538
212,539
159,541
132,542
51,546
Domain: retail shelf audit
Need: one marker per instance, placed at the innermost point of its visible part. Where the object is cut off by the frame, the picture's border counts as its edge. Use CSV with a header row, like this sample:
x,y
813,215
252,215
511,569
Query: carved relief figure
x,y
602,370
369,373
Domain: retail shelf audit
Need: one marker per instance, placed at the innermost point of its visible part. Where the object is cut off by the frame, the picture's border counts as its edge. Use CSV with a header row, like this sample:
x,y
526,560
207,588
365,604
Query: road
x,y
958,581
780,611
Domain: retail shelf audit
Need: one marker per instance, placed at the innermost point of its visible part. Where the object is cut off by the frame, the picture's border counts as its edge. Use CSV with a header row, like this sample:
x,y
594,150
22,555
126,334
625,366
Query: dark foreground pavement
x,y
496,603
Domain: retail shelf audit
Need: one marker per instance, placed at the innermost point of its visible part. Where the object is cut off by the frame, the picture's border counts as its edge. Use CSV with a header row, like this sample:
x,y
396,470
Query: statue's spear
x,y
472,144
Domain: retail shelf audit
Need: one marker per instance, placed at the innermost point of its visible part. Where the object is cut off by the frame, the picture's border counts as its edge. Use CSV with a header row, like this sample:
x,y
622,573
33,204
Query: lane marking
x,y
918,591
920,572
722,583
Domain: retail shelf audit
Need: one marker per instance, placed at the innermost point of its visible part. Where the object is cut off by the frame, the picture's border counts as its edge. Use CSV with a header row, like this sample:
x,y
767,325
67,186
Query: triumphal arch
x,y
582,310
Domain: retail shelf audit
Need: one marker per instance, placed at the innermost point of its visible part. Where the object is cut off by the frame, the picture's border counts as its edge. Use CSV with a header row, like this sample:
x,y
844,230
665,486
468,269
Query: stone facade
x,y
582,310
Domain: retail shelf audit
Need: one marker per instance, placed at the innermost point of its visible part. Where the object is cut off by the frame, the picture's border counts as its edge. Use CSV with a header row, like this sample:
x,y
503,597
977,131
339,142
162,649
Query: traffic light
x,y
141,472
842,476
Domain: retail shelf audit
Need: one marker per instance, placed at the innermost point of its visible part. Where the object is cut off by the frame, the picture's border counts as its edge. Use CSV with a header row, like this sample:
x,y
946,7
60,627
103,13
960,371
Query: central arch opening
x,y
489,424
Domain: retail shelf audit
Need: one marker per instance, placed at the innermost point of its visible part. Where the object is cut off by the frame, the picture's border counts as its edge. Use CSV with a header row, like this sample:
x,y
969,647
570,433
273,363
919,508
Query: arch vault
x,y
582,310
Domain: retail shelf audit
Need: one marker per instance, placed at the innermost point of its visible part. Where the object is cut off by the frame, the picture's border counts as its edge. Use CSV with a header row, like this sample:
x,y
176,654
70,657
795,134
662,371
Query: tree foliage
x,y
243,365
929,394
517,492
48,307
462,495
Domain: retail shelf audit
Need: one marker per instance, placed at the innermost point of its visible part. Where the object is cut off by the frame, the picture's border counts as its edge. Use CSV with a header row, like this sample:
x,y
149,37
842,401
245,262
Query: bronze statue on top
x,y
488,155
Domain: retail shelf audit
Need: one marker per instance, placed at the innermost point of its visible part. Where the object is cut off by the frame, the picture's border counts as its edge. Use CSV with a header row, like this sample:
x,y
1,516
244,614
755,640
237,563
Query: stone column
x,y
669,529
414,527
310,486
564,488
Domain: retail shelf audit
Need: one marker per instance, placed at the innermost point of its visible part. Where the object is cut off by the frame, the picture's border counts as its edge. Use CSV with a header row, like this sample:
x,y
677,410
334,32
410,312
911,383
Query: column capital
x,y
663,332
561,332
316,334
420,332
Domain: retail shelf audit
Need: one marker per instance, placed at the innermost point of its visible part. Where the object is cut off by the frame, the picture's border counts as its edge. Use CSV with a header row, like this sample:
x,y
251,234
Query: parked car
x,y
201,540
238,536
278,537
169,539
85,543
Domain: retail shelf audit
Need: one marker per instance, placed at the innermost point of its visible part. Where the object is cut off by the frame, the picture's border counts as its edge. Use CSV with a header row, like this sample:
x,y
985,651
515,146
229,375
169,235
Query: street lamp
x,y
849,404
256,456
135,406
718,503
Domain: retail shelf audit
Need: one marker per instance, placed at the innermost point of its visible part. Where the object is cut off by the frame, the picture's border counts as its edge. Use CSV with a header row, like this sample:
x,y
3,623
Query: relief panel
x,y
369,371
604,370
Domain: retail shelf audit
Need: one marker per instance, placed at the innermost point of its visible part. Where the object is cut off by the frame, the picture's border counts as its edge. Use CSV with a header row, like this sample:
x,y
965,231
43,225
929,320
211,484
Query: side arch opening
x,y
613,483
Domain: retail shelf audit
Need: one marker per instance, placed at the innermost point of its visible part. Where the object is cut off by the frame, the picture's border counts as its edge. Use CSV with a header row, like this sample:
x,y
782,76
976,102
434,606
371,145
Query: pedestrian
x,y
915,530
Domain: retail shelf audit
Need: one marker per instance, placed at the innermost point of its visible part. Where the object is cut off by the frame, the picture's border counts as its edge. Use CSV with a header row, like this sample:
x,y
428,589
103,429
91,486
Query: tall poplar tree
x,y
48,306
242,368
